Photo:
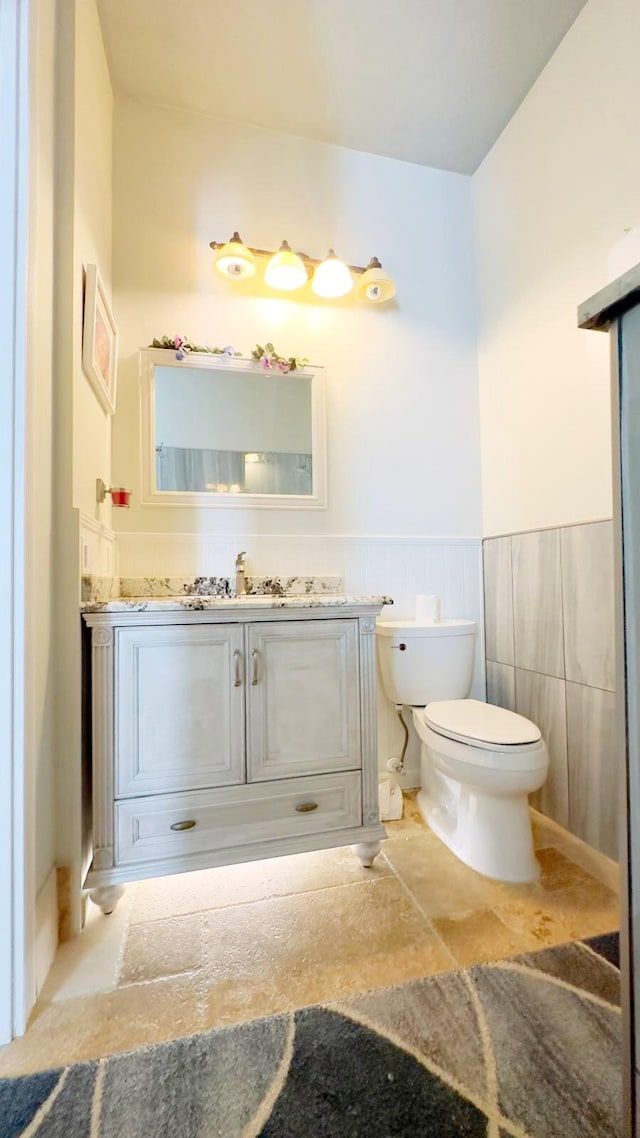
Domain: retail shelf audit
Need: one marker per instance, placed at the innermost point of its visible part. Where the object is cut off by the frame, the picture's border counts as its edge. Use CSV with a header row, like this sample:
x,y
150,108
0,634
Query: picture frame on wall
x,y
99,341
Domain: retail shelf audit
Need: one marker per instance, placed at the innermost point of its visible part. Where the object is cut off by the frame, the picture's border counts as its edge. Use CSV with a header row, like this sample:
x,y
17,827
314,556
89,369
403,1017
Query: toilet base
x,y
489,834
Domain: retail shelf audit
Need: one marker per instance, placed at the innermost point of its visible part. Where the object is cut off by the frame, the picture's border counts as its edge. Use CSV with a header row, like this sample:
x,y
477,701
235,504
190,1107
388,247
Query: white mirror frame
x,y
151,358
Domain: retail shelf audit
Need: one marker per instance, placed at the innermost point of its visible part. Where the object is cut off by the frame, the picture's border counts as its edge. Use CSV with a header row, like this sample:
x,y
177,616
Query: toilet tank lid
x,y
472,719
409,628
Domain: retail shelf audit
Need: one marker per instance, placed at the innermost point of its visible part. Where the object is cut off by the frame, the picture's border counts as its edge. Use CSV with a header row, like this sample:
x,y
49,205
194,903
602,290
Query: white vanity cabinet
x,y
229,733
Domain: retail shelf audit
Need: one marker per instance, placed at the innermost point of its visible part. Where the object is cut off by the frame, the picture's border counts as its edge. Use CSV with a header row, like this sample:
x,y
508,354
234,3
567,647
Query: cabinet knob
x,y
306,807
188,825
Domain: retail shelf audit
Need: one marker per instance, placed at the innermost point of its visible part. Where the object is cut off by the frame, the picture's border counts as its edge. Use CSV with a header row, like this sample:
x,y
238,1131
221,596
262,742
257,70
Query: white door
x,y
304,705
180,708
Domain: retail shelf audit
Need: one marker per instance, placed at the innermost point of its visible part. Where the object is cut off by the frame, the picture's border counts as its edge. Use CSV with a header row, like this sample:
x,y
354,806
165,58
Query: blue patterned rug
x,y
527,1048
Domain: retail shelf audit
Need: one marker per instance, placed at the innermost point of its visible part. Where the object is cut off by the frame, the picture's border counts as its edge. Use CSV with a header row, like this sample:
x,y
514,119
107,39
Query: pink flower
x,y
178,341
284,366
266,363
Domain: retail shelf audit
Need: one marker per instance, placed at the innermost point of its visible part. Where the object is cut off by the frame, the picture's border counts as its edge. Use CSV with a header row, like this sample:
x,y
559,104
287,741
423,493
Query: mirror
x,y
221,431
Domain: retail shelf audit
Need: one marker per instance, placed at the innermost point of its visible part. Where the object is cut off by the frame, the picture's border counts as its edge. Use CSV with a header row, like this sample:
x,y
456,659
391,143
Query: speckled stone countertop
x,y
199,603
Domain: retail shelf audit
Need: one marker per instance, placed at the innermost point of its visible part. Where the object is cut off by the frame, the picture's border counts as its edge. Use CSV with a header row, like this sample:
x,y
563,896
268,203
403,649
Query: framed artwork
x,y
99,341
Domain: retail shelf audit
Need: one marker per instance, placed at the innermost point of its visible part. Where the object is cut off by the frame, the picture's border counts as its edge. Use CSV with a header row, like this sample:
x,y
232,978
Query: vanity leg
x,y
106,897
366,852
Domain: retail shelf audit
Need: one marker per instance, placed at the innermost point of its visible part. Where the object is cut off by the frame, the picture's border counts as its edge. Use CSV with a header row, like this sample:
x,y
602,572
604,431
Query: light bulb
x,y
375,285
332,277
235,260
285,270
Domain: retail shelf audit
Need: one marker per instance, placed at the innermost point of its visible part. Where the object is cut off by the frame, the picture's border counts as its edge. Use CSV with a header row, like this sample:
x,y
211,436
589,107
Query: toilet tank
x,y
424,661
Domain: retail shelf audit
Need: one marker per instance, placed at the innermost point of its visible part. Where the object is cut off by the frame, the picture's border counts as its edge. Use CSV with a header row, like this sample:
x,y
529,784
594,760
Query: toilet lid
x,y
469,719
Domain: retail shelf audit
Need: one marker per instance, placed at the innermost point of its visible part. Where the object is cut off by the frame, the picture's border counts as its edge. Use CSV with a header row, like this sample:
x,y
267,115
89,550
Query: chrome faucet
x,y
241,581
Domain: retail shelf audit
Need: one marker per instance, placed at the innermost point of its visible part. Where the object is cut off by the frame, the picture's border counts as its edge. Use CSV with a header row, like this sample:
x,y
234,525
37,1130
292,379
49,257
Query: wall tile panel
x,y
498,600
537,602
595,762
589,620
542,699
501,685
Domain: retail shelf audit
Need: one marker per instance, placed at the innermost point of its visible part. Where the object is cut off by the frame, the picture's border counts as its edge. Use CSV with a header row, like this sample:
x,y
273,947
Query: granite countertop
x,y
199,603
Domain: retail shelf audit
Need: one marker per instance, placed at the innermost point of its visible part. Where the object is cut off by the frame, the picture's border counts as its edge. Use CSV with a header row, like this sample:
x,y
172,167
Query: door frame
x,y
17,832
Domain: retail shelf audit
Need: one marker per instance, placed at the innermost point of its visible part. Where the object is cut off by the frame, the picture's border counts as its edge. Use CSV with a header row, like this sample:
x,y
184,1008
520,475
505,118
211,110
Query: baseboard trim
x,y
46,928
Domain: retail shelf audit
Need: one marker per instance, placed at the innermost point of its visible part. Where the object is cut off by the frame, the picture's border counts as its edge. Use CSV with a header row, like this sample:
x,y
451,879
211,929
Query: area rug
x,y
528,1047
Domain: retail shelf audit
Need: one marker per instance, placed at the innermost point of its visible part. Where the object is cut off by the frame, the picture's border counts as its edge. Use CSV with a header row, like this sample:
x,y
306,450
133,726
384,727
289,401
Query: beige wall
x,y
40,640
551,199
401,379
81,430
92,244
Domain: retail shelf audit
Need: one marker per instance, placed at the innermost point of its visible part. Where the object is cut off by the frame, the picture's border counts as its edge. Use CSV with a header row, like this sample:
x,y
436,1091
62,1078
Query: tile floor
x,y
185,953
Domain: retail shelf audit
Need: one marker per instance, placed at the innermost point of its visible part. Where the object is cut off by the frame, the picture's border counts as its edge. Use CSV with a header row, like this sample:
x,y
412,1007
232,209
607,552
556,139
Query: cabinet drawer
x,y
234,816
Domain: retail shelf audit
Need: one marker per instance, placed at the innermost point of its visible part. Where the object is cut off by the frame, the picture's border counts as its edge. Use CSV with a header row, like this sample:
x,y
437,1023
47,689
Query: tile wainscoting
x,y
398,566
549,613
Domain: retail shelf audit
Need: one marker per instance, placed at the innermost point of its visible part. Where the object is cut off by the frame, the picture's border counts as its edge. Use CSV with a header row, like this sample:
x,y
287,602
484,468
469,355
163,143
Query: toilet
x,y
479,763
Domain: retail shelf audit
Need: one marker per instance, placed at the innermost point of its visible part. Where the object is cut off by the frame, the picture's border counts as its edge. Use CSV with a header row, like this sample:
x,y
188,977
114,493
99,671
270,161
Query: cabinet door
x,y
179,708
304,705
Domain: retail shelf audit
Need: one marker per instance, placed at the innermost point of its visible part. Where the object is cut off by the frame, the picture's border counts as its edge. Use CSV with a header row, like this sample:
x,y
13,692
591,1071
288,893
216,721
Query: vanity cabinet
x,y
228,734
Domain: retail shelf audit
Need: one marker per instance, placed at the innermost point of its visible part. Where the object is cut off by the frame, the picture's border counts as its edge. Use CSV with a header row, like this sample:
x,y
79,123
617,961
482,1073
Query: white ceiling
x,y
428,81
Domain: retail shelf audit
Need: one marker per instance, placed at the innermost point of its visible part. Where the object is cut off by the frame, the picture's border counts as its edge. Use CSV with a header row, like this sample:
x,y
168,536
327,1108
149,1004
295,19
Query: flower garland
x,y
266,356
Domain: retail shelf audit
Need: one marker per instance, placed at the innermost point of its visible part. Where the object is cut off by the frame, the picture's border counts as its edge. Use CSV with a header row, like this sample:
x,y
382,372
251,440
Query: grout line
x,y
264,900
418,906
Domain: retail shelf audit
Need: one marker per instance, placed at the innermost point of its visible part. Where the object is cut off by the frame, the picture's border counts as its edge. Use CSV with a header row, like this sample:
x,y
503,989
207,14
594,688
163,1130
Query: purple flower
x,y
229,350
284,366
265,362
180,355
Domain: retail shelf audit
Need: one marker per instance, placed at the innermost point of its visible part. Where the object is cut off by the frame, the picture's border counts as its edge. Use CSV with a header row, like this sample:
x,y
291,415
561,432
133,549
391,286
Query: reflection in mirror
x,y
224,432
221,431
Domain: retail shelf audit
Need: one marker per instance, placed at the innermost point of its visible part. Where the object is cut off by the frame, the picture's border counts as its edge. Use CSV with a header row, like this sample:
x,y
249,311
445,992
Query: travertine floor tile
x,y
440,883
587,909
104,1024
163,948
302,949
411,822
474,938
255,881
91,962
530,919
226,945
559,872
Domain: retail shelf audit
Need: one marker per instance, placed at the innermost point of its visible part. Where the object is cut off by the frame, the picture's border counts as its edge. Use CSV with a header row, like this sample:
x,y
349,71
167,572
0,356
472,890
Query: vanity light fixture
x,y
332,277
235,260
286,270
375,284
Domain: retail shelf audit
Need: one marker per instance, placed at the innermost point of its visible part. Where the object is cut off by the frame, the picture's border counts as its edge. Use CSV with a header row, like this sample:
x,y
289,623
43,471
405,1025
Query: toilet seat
x,y
482,725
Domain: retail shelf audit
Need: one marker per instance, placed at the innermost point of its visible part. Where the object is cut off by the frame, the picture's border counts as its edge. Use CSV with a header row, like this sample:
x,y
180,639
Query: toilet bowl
x,y
478,762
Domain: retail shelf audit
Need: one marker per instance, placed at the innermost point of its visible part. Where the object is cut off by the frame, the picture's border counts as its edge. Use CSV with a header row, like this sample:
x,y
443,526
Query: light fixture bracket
x,y
215,245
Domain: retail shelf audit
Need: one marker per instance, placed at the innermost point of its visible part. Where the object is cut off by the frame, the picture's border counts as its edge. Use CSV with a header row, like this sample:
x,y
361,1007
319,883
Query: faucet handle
x,y
240,558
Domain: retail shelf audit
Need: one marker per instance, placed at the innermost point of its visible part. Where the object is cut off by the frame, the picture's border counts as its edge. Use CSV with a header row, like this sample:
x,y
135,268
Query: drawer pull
x,y
255,656
188,825
306,807
237,657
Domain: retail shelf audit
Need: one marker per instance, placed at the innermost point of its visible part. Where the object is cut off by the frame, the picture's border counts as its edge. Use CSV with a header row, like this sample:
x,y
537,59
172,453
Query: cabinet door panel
x,y
180,715
304,706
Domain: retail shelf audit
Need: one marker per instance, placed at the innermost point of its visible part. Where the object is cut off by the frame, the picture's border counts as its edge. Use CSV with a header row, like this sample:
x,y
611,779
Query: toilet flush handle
x,y
400,647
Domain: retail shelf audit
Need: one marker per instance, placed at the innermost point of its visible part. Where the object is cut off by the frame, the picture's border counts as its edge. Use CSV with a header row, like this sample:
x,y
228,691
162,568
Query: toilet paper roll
x,y
428,608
